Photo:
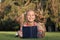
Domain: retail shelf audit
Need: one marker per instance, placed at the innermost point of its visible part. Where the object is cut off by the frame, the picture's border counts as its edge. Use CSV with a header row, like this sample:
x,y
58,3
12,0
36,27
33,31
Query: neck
x,y
31,23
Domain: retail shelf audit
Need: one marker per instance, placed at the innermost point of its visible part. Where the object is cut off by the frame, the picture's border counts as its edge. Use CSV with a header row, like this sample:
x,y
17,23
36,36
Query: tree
x,y
12,9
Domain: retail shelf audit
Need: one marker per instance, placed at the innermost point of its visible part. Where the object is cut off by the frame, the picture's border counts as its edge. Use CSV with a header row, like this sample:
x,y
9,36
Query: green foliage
x,y
12,8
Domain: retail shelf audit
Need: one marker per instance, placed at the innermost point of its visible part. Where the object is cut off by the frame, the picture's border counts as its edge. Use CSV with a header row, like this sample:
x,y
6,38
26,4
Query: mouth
x,y
31,18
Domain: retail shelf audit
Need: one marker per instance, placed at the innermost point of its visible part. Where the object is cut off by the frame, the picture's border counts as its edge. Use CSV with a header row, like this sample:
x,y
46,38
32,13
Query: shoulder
x,y
40,24
35,23
25,24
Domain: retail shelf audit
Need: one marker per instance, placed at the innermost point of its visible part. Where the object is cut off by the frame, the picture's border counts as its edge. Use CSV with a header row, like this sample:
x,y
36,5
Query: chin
x,y
31,21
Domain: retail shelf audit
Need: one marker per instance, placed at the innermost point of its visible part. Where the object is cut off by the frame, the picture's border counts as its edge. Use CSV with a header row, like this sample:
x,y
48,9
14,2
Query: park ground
x,y
9,35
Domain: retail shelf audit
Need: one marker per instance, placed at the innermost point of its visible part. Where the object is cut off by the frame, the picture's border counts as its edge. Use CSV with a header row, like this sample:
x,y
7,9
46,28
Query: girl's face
x,y
30,16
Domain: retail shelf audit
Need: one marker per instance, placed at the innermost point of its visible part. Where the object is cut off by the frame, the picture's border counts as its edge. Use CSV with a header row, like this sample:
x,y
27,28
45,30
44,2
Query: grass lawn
x,y
11,36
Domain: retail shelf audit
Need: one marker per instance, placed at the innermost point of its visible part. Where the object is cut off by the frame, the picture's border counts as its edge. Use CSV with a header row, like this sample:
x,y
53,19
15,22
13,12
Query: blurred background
x,y
48,11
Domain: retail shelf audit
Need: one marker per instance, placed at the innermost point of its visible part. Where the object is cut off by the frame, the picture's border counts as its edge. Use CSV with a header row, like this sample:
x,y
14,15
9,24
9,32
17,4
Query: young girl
x,y
30,17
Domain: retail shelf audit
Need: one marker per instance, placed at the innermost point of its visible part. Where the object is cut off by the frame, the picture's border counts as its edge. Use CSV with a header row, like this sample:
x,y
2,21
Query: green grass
x,y
11,36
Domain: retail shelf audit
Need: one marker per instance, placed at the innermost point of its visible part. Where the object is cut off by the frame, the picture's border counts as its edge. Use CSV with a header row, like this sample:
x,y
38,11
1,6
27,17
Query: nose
x,y
30,15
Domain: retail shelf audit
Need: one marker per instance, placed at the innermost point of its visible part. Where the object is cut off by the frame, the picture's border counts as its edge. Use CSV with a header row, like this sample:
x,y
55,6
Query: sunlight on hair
x,y
0,0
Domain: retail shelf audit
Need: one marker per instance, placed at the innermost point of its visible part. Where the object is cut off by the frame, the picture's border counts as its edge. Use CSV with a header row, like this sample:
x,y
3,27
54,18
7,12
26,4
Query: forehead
x,y
31,12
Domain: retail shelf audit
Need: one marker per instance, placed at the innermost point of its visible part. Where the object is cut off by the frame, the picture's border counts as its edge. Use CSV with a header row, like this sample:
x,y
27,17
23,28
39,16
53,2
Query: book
x,y
29,32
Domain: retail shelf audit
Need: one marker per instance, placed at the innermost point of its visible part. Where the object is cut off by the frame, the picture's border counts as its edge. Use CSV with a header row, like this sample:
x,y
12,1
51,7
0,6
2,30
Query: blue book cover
x,y
29,32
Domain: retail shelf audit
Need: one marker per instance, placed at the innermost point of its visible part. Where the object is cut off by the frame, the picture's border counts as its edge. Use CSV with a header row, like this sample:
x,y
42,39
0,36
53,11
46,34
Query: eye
x,y
33,15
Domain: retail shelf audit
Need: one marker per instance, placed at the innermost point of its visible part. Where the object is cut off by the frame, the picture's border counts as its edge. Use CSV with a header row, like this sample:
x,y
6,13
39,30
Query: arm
x,y
41,30
21,21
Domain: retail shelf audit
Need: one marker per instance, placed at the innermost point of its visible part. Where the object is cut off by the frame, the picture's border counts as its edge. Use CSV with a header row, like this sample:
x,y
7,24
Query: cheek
x,y
33,17
27,17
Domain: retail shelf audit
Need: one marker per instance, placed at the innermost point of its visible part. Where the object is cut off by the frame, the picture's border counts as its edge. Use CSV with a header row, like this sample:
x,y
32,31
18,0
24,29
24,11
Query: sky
x,y
0,0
